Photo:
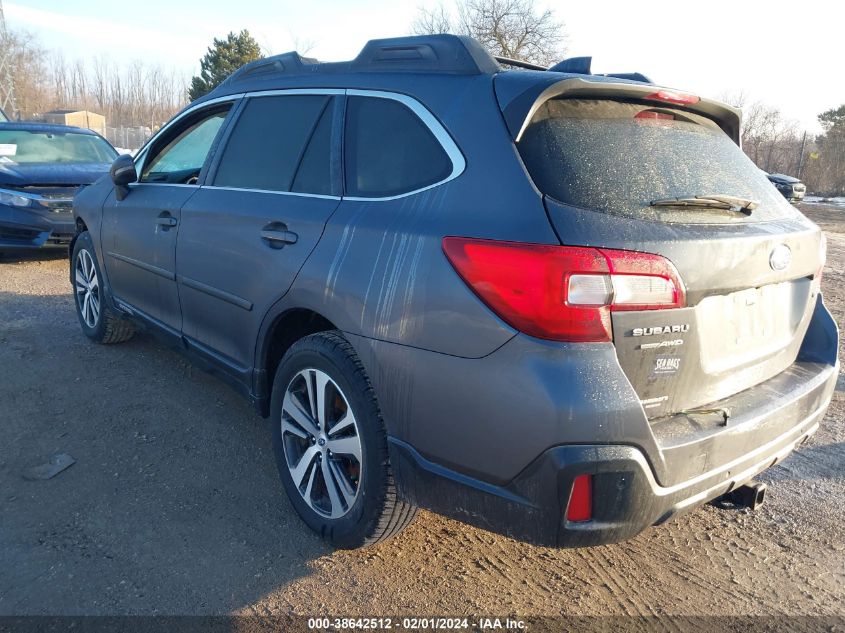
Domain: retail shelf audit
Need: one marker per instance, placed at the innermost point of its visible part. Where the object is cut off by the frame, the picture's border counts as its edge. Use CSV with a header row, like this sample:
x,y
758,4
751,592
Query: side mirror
x,y
122,173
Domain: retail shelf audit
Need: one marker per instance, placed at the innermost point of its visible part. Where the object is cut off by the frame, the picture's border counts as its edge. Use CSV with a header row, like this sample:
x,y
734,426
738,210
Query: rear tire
x,y
348,495
99,322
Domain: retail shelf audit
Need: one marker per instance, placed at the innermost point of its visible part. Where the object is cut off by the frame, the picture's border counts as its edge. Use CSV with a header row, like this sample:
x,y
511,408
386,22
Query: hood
x,y
51,174
783,178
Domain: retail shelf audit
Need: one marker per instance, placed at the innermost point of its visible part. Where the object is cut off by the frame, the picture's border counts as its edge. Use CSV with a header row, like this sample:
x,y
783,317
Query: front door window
x,y
179,159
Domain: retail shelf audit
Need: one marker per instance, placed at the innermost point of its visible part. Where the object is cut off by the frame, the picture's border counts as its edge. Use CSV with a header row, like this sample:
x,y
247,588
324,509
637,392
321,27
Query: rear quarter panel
x,y
379,271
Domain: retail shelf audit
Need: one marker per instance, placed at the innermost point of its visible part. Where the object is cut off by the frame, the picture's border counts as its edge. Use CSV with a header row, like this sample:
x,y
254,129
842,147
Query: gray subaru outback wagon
x,y
556,305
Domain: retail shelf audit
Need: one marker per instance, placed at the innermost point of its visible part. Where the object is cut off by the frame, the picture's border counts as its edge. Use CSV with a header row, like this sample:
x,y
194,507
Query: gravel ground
x,y
174,506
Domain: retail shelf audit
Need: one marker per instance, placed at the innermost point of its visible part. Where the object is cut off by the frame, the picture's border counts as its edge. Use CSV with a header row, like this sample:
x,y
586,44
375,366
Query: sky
x,y
786,54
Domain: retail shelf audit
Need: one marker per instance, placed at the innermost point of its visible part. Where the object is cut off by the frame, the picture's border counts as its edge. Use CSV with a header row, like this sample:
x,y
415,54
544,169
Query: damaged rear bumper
x,y
631,488
627,497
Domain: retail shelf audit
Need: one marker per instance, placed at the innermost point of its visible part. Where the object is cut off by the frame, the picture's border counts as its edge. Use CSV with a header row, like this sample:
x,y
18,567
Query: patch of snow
x,y
837,200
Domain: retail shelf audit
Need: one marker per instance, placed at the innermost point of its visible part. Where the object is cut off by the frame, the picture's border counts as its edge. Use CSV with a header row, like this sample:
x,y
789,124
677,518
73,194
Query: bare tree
x,y
509,28
100,82
430,21
736,98
514,28
80,95
771,141
302,45
59,75
28,72
118,102
140,95
137,82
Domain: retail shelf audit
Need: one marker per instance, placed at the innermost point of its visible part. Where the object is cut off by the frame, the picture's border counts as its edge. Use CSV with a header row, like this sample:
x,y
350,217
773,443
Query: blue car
x,y
41,168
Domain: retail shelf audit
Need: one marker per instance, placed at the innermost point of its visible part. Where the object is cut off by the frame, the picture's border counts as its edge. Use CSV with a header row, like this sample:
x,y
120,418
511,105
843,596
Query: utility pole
x,y
801,155
7,83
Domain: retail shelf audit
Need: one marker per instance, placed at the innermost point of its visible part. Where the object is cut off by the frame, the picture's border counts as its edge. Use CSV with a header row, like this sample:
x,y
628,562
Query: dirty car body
x,y
41,168
558,353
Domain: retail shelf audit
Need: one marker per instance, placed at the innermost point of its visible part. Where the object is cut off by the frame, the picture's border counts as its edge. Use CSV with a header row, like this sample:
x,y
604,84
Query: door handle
x,y
277,235
166,220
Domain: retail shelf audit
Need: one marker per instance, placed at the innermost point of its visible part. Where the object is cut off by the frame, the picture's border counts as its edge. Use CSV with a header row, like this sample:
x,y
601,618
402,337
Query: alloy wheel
x,y
87,288
321,443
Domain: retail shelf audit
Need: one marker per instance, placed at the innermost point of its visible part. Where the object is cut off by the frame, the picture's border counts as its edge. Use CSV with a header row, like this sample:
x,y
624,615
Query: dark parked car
x,y
41,168
791,188
556,305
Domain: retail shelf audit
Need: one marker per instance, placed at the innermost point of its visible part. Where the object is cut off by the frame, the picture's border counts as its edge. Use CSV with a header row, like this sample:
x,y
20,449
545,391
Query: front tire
x,y
330,444
99,322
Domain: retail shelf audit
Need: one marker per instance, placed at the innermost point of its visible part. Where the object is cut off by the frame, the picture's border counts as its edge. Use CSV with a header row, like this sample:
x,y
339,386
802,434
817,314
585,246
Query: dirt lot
x,y
174,506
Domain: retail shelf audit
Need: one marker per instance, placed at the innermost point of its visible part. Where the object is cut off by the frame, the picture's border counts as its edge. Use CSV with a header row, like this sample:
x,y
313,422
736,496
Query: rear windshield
x,y
618,157
23,147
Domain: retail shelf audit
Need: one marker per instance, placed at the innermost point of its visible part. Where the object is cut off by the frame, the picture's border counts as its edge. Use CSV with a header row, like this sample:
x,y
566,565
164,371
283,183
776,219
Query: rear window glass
x,y
389,150
618,157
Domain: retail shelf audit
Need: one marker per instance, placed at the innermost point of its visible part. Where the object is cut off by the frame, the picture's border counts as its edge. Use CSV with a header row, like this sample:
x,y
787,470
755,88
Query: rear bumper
x,y
641,476
497,441
627,498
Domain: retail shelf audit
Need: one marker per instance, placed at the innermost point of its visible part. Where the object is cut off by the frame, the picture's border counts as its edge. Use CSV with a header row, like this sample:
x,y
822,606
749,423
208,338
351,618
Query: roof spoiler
x,y
572,66
520,100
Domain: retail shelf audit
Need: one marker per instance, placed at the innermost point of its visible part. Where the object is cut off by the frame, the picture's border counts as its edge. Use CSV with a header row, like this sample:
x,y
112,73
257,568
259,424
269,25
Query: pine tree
x,y
221,60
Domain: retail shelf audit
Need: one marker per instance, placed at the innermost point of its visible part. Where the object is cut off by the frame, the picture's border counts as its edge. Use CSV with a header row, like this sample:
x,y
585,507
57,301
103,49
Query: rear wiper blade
x,y
711,201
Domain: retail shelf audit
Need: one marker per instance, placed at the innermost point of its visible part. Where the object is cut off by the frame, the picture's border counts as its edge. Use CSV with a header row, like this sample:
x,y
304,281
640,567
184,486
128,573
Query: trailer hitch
x,y
749,495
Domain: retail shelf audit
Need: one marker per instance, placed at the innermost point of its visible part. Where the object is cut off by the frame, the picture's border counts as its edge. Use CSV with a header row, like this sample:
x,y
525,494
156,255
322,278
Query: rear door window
x,y
271,139
388,150
618,157
314,174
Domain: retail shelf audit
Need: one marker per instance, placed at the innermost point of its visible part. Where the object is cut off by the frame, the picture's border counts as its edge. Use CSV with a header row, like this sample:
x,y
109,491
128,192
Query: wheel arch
x,y
81,227
282,331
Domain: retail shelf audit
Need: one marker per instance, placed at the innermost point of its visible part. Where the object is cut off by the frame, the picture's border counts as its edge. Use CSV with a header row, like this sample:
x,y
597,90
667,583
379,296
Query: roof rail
x,y
518,63
291,63
444,53
449,54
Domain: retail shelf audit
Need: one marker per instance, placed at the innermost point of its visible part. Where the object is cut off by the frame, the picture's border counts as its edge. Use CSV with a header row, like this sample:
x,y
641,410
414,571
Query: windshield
x,y
27,147
619,157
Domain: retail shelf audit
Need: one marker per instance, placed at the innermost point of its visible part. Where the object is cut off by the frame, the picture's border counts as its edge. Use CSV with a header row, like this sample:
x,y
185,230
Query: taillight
x,y
652,115
673,96
580,506
563,293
